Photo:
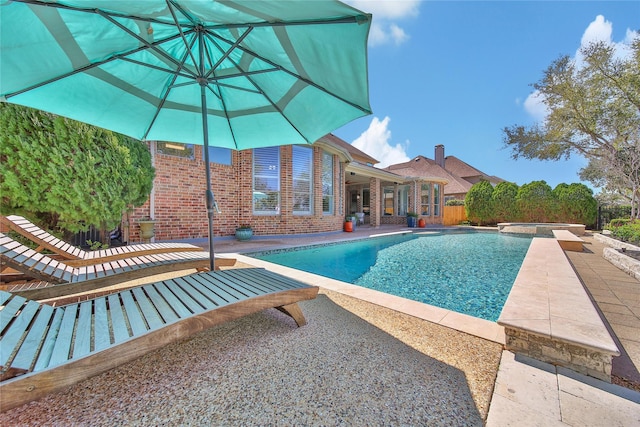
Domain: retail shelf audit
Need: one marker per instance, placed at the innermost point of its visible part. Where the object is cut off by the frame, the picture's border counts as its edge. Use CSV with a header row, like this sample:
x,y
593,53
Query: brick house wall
x,y
177,202
413,204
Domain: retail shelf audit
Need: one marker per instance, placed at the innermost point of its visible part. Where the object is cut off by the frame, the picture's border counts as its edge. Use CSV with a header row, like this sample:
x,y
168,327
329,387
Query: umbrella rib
x,y
143,41
164,98
156,67
248,74
228,51
179,27
291,73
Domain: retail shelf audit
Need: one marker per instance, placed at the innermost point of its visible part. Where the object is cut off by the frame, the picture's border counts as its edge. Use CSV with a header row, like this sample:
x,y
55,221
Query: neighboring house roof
x,y
460,175
422,167
467,172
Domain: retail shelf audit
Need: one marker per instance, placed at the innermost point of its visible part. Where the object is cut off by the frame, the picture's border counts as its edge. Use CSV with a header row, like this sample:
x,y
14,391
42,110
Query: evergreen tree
x,y
478,204
66,174
536,202
504,202
576,204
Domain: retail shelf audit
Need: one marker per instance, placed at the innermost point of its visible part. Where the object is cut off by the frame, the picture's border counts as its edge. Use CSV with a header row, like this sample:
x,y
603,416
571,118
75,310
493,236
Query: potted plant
x,y
349,223
412,219
147,228
244,232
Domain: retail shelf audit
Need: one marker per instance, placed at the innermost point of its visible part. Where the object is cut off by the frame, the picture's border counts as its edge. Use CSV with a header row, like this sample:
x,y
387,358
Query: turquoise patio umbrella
x,y
230,73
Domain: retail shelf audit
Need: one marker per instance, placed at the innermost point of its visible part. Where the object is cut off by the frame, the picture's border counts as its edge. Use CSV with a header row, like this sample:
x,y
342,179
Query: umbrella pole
x,y
209,193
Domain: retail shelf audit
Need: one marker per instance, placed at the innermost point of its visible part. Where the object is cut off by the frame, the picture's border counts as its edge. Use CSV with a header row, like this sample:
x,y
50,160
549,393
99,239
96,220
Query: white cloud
x,y
388,9
599,30
535,107
385,28
375,142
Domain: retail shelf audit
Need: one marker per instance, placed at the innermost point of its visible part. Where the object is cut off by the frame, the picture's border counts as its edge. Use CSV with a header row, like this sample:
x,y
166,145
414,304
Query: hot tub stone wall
x,y
577,358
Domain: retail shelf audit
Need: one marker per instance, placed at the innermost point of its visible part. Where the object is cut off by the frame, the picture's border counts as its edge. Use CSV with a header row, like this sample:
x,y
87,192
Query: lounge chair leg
x,y
294,311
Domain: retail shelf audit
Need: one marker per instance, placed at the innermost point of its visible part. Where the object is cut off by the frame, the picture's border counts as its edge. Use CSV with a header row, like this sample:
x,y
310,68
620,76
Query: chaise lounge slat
x,y
46,350
87,338
130,308
207,297
76,256
148,309
165,310
10,310
118,323
37,333
62,347
101,338
82,339
59,279
192,305
18,329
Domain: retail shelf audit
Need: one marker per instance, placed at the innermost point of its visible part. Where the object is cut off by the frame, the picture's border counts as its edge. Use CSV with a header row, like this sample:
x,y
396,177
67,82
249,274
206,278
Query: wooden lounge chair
x,y
56,278
75,256
44,349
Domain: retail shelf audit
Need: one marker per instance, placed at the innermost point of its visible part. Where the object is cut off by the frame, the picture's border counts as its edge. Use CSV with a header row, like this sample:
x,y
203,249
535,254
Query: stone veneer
x,y
592,362
549,316
624,262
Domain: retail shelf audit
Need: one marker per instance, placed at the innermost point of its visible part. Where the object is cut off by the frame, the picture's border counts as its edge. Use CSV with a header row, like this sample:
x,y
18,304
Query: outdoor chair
x,y
75,256
56,278
45,348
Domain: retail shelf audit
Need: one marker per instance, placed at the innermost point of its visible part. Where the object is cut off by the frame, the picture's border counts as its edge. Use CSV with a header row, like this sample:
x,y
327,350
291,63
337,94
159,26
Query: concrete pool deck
x,y
527,392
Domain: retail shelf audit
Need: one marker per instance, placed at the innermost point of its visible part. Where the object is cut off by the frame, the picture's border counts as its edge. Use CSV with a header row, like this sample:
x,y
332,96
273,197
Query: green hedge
x,y
625,230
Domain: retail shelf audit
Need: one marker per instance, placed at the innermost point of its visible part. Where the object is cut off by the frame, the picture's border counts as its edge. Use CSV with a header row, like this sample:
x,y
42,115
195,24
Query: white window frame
x,y
268,203
302,179
425,204
388,190
437,195
328,184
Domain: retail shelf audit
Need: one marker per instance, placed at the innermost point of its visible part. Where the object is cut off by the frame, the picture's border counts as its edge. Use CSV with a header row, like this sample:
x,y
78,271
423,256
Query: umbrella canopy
x,y
235,73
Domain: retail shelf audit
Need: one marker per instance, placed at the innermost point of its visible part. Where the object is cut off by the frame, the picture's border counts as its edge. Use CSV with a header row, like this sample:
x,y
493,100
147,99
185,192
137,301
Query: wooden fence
x,y
454,215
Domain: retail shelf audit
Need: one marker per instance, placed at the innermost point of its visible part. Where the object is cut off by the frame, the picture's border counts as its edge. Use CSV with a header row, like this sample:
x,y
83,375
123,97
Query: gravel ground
x,y
354,363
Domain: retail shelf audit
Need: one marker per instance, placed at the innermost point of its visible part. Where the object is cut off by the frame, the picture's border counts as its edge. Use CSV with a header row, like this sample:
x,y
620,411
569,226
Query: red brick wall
x,y
179,198
399,220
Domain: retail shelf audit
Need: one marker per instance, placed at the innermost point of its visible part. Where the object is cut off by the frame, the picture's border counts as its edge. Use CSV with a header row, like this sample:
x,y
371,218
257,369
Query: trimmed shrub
x,y
478,204
536,202
626,230
575,204
503,197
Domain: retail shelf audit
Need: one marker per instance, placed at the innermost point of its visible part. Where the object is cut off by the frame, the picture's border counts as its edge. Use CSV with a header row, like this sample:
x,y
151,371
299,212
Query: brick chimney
x,y
439,155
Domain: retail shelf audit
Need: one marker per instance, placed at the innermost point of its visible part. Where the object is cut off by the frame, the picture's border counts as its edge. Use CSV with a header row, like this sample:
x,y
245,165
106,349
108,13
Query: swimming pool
x,y
471,272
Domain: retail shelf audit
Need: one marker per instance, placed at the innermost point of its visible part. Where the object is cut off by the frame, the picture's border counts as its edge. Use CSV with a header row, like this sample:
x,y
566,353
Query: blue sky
x,y
458,72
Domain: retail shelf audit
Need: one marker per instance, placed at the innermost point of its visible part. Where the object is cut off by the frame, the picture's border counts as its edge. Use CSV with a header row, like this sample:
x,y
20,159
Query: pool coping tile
x,y
461,322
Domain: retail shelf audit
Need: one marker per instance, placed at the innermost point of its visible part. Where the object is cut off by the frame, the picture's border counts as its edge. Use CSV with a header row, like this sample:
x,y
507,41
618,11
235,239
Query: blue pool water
x,y
471,273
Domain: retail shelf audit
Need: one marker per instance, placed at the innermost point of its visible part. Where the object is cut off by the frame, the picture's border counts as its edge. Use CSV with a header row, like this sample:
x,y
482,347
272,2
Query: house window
x,y
302,179
220,155
266,180
175,149
327,183
403,200
436,199
388,200
425,196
